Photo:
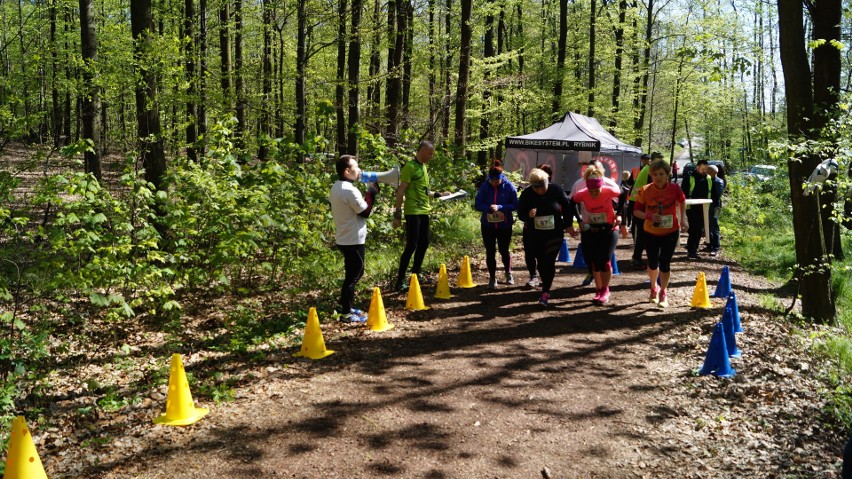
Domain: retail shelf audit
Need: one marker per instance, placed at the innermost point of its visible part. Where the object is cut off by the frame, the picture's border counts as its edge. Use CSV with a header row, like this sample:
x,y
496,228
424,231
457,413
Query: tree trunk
x,y
354,77
619,53
24,75
147,114
279,91
189,65
646,66
340,84
814,273
651,109
90,103
678,81
393,85
201,119
265,129
407,54
374,89
560,58
56,108
301,65
464,73
592,60
447,65
826,18
521,57
637,88
433,107
225,53
239,78
488,52
66,119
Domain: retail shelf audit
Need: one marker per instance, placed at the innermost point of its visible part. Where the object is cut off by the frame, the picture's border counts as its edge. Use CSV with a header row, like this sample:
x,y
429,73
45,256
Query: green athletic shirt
x,y
641,180
417,194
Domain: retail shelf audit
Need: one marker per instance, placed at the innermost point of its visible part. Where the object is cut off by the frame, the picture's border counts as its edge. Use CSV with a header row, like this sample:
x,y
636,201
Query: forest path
x,y
488,384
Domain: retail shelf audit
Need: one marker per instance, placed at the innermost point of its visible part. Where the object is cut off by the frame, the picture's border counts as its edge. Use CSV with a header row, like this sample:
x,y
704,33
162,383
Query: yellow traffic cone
x,y
376,318
700,298
22,461
313,345
465,279
180,410
414,302
443,289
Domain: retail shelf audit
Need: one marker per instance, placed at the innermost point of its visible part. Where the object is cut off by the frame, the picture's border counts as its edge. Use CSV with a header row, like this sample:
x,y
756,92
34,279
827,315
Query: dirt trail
x,y
487,384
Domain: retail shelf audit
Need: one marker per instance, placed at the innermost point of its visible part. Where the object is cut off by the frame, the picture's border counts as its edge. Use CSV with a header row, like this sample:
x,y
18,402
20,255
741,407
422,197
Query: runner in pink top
x,y
599,228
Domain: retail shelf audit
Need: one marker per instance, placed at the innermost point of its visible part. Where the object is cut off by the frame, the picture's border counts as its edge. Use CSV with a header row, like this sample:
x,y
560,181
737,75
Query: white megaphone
x,y
390,177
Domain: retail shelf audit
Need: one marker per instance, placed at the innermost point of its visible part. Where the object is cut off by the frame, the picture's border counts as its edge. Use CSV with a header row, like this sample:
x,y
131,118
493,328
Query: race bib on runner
x,y
545,222
663,221
597,218
495,217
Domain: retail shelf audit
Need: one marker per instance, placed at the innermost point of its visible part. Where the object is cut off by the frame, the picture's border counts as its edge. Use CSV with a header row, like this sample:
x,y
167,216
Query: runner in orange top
x,y
661,205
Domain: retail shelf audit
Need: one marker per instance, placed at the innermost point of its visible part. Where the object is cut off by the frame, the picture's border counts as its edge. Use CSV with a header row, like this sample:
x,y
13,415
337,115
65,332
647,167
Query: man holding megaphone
x,y
350,211
413,195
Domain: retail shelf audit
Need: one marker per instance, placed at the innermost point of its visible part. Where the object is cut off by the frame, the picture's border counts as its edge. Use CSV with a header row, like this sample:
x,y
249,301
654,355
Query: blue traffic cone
x,y
732,303
723,287
579,262
614,263
717,361
730,337
564,253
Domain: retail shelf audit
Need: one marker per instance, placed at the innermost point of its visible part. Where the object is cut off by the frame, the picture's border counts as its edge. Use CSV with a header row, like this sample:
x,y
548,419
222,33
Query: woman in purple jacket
x,y
497,198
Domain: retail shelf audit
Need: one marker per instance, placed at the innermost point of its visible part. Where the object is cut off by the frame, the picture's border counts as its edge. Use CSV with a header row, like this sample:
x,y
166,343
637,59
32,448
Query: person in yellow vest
x,y
716,191
696,185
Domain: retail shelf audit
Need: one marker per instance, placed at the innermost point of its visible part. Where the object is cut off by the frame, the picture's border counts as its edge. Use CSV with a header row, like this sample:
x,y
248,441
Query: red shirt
x,y
660,207
598,210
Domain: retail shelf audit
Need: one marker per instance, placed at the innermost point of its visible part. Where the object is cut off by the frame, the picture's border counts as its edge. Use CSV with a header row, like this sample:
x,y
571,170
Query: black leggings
x,y
639,236
695,216
546,250
529,251
353,262
495,239
598,248
660,250
416,242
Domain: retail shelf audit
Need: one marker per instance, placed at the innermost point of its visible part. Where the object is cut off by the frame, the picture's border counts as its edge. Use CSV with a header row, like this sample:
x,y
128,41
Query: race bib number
x,y
597,218
545,222
495,217
663,221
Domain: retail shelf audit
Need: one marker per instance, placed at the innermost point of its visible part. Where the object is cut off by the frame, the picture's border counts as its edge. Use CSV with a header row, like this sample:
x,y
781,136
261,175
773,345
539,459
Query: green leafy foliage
x,y
222,225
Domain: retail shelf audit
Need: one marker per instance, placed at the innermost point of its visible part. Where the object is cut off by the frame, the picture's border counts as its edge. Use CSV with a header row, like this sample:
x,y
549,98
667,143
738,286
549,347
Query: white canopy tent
x,y
563,144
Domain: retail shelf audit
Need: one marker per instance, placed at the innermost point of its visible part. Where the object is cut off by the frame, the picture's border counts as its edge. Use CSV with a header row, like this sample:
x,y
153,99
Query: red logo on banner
x,y
608,163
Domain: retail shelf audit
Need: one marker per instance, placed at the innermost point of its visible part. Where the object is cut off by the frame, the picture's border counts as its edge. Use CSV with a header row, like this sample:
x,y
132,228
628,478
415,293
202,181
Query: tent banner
x,y
553,144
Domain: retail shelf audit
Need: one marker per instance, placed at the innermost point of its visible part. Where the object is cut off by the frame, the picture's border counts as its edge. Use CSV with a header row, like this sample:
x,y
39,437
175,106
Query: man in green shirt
x,y
412,198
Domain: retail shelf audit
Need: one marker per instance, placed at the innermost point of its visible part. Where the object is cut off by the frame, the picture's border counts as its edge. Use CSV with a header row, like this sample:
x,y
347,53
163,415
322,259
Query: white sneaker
x,y
534,282
510,279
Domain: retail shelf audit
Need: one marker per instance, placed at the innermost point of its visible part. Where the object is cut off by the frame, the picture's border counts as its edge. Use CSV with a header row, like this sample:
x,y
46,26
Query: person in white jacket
x,y
350,211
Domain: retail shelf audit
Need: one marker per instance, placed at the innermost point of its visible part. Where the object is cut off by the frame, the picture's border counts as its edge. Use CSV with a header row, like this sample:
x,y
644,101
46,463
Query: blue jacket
x,y
504,196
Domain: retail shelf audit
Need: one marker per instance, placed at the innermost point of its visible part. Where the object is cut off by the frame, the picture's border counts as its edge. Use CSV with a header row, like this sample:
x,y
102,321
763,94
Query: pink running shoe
x,y
653,297
597,298
604,298
664,300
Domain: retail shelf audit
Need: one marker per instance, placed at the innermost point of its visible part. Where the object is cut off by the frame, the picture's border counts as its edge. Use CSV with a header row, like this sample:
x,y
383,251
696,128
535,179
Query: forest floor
x,y
486,384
